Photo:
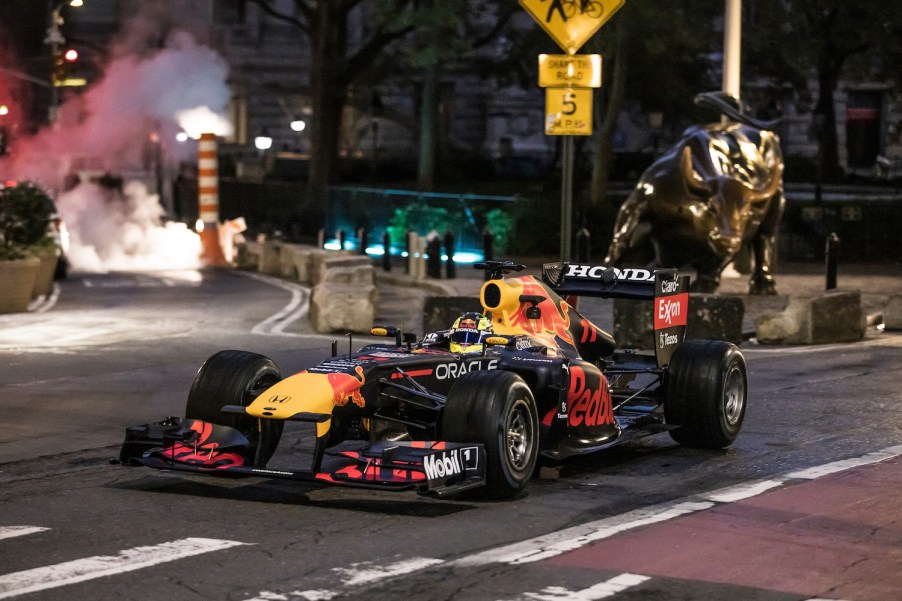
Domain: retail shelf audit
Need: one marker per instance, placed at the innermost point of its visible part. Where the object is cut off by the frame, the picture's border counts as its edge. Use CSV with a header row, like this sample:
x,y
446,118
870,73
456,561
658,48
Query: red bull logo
x,y
589,399
346,387
555,319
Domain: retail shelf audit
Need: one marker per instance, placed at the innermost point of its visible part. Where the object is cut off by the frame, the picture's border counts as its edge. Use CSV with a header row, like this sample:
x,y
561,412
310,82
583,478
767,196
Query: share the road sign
x,y
571,22
576,70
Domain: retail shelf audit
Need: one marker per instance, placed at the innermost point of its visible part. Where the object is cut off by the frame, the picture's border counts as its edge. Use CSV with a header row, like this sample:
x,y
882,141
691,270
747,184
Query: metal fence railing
x,y
376,210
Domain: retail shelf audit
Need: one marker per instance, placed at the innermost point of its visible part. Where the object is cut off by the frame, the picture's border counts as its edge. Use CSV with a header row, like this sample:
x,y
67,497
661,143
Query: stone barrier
x,y
270,258
344,292
247,256
892,314
832,317
711,316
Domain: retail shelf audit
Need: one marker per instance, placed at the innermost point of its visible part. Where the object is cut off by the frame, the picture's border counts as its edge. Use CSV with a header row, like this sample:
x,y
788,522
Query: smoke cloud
x,y
159,82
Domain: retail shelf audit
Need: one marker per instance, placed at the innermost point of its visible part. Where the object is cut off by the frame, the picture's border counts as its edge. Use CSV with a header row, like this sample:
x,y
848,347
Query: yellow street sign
x,y
568,111
571,22
576,70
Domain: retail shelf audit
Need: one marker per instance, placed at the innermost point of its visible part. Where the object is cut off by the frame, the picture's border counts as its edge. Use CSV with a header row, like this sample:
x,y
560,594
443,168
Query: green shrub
x,y
25,215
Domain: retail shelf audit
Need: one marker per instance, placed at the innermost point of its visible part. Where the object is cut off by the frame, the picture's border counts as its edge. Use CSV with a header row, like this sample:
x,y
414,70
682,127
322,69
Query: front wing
x,y
429,467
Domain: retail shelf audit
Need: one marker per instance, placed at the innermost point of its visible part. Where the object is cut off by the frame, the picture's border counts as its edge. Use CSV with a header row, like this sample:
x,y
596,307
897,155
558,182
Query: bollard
x,y
409,247
434,258
362,240
450,267
341,239
411,254
321,238
831,257
386,251
583,239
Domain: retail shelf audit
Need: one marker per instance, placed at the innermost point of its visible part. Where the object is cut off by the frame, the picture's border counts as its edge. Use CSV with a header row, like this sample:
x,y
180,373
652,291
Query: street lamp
x,y
263,142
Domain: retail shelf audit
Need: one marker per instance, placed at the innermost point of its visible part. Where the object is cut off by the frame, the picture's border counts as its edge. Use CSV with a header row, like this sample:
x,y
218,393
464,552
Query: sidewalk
x,y
401,298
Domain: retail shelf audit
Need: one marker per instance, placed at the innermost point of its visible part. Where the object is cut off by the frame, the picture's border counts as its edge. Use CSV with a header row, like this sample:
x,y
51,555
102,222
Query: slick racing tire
x,y
236,378
498,410
705,393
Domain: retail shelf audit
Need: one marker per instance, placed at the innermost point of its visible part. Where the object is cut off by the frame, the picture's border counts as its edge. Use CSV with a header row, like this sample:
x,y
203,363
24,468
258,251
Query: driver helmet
x,y
469,331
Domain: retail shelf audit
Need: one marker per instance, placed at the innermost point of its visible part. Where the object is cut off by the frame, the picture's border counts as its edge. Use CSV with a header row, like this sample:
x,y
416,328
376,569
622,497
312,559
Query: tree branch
x,y
304,8
369,52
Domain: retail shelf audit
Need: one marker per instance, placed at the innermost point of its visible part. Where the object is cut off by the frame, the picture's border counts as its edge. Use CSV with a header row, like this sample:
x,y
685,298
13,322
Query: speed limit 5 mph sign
x,y
568,111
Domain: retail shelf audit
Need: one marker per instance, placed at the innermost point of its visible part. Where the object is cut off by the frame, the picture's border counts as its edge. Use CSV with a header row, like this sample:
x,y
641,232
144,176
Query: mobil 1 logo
x,y
453,465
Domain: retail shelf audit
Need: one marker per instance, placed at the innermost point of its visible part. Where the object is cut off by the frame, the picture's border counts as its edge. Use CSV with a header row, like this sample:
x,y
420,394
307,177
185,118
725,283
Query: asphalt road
x,y
803,506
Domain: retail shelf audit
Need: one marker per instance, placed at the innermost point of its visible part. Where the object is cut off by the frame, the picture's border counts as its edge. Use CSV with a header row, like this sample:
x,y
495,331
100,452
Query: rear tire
x,y
496,409
705,393
235,378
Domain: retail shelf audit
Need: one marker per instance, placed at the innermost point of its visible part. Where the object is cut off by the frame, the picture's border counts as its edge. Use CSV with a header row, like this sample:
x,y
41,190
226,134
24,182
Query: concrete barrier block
x,y
711,316
828,318
248,255
892,314
338,307
270,258
294,262
349,270
322,260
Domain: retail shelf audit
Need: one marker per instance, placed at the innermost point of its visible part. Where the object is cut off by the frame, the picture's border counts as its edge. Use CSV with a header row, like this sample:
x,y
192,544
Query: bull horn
x,y
693,182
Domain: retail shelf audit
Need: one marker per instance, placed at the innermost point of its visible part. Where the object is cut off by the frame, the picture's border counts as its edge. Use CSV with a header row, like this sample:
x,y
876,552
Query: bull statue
x,y
718,188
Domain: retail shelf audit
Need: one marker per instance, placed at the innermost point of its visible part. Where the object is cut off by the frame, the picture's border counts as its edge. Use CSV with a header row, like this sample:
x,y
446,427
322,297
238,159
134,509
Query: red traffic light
x,y
71,55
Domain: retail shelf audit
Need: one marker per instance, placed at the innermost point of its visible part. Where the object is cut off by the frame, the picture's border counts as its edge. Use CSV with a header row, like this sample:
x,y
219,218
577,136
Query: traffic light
x,y
64,60
60,67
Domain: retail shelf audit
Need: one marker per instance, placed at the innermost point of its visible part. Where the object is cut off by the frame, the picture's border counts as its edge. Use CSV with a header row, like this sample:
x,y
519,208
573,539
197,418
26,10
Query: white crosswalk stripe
x,y
13,531
89,568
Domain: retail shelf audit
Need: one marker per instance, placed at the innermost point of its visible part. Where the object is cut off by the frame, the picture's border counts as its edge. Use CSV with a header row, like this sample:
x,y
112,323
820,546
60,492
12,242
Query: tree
x,y
334,66
656,55
447,31
832,41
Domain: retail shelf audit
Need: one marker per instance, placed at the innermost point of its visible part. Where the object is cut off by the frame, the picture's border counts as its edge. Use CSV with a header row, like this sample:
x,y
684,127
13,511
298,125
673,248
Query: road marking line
x,y
12,531
569,539
296,308
367,573
742,491
602,590
844,464
89,568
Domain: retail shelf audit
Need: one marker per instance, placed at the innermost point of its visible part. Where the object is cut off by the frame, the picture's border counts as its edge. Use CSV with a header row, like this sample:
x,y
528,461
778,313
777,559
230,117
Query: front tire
x,y
705,393
236,378
498,410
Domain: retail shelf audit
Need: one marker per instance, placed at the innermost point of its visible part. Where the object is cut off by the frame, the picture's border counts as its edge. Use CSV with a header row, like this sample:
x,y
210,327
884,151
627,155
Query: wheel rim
x,y
733,397
519,435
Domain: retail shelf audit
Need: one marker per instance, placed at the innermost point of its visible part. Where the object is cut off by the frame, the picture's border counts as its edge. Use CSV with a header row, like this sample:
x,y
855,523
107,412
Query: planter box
x,y
17,283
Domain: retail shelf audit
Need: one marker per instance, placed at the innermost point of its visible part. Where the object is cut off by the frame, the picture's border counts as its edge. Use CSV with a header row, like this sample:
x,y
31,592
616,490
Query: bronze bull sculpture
x,y
718,188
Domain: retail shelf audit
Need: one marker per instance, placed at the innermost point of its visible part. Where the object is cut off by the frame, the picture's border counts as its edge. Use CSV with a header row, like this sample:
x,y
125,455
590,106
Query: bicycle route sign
x,y
571,23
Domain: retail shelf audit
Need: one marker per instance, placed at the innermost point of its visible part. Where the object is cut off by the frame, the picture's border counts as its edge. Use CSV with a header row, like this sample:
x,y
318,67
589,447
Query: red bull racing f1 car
x,y
423,415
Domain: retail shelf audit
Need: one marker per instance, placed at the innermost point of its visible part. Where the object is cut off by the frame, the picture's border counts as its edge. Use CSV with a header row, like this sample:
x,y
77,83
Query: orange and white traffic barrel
x,y
208,200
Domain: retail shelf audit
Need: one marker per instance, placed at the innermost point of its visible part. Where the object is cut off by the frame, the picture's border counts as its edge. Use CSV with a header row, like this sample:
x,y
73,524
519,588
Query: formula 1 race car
x,y
427,416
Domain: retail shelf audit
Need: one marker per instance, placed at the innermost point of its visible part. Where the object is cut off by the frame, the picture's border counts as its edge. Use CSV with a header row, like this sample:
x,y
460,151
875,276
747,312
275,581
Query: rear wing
x,y
666,287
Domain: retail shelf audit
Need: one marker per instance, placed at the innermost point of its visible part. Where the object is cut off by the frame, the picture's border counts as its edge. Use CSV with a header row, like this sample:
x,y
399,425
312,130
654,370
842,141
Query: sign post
x,y
569,79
